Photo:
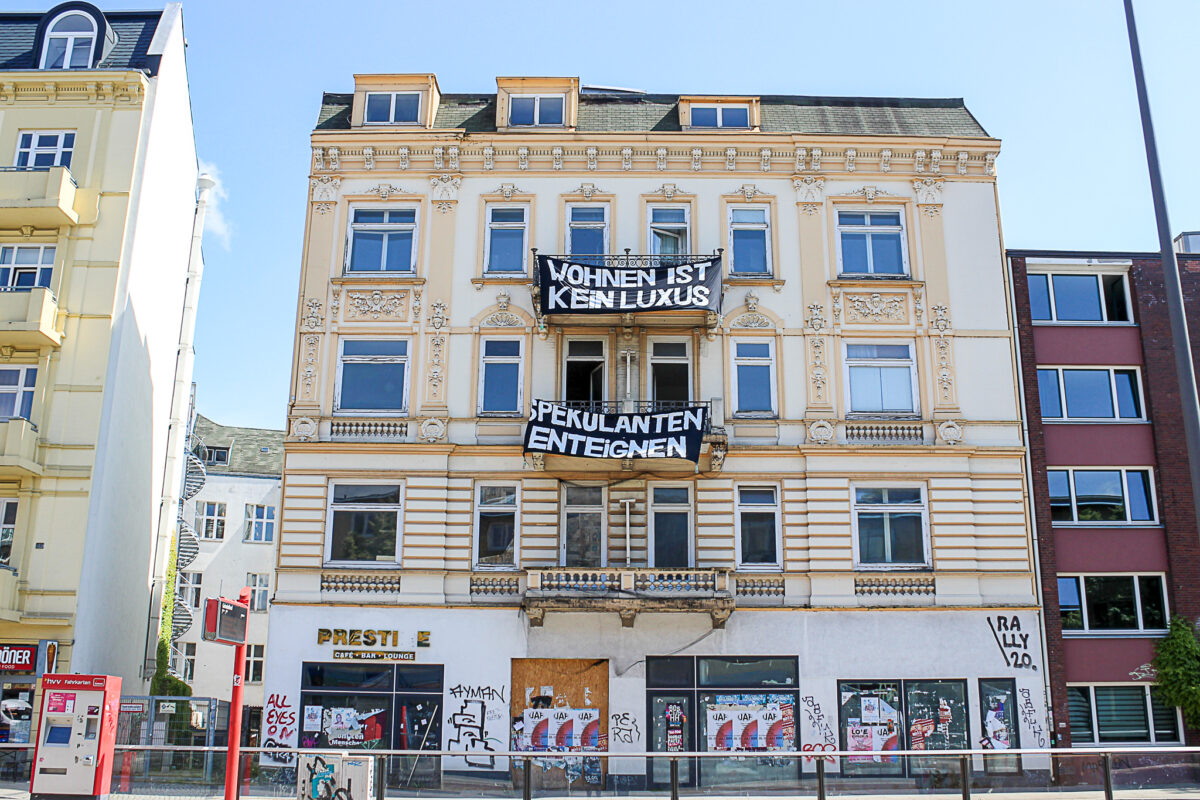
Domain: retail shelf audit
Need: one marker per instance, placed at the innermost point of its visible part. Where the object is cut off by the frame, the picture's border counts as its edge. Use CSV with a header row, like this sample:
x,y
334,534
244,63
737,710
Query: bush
x,y
1177,662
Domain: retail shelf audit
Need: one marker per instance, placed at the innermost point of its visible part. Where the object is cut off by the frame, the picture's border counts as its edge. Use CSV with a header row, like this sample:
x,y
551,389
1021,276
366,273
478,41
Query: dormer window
x,y
721,116
536,110
387,108
70,42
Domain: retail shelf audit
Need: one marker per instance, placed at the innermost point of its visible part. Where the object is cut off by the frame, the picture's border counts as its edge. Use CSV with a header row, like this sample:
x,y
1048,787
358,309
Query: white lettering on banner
x,y
582,288
555,428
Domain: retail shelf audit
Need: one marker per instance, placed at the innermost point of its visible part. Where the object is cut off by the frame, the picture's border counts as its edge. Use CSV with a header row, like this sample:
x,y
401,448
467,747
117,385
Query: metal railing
x,y
628,260
592,406
661,581
815,770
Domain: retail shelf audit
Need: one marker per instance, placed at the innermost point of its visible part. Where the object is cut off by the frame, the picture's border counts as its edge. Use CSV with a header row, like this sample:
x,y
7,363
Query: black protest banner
x,y
571,288
555,428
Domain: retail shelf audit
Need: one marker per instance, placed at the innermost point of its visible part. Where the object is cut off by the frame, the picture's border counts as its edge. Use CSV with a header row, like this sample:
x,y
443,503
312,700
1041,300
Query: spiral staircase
x,y
187,543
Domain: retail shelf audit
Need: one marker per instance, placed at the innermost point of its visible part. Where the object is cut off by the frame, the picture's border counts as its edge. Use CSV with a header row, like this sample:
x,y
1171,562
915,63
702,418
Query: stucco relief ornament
x,y
730,158
304,429
821,431
697,155
453,153
335,157
815,159
817,376
432,430
522,158
626,158
587,190
384,190
765,159
439,159
869,193
503,299
919,160
962,162
801,158
326,188
437,353
312,319
885,160
816,318
928,190
368,157
323,208
6,352
751,191
989,164
660,156
402,155
935,161
489,157
751,300
537,461
501,319
918,303
318,158
444,191
835,306
438,319
375,305
716,456
335,305
851,154
751,320
875,307
809,189
950,432
557,155
507,190
591,158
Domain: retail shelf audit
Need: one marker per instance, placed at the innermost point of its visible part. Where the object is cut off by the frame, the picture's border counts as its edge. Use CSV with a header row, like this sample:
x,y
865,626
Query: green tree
x,y
1177,662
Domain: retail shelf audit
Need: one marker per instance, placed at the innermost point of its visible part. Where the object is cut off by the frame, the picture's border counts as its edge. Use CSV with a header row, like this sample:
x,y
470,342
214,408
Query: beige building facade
x,y
851,552
99,269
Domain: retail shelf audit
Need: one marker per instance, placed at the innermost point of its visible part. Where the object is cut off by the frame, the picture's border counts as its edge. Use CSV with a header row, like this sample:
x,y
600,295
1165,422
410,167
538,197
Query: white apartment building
x,y
847,559
235,519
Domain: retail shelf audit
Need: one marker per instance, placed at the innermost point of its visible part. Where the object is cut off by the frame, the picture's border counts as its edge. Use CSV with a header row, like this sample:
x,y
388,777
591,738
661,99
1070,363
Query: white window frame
x,y
1141,631
384,228
606,226
191,592
185,664
926,539
1097,744
568,358
268,523
368,412
537,110
1112,388
687,225
399,508
1099,276
652,359
43,250
867,229
210,458
652,507
765,227
848,362
71,37
260,590
720,108
391,120
20,389
518,359
562,521
477,506
510,226
1128,523
769,362
202,517
34,149
5,504
775,509
256,654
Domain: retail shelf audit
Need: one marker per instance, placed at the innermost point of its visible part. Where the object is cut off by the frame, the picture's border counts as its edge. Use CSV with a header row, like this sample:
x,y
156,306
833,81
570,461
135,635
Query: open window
x,y
670,375
583,375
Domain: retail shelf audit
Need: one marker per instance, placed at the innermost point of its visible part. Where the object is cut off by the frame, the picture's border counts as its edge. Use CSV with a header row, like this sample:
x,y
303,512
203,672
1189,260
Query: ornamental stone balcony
x,y
628,591
18,448
28,318
41,197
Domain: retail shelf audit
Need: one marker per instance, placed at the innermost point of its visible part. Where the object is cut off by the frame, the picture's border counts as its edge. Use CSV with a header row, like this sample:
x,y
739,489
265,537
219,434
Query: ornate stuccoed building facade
x,y
851,555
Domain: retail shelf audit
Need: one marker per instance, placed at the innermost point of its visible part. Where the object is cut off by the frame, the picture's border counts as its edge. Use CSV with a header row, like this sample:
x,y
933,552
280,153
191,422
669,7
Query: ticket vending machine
x,y
77,732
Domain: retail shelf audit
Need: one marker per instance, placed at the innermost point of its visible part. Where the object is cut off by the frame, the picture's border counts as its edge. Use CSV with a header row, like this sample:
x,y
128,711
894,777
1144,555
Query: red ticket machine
x,y
77,732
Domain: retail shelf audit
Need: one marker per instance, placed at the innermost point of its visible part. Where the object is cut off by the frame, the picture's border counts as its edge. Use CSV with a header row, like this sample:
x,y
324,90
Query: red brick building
x,y
1115,524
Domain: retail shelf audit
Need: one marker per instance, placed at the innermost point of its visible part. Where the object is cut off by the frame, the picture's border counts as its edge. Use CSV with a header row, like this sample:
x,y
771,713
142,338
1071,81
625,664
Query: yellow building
x,y
99,270
850,546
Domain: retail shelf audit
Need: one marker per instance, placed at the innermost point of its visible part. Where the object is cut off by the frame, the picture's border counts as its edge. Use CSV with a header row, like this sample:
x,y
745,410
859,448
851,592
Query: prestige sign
x,y
570,288
554,428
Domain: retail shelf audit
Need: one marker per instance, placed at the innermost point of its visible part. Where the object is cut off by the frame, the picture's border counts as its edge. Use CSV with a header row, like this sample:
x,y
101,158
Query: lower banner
x,y
555,428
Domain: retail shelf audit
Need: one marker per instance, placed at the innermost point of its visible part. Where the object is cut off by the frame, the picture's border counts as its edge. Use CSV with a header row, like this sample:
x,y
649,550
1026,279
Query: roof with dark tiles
x,y
638,113
134,31
252,451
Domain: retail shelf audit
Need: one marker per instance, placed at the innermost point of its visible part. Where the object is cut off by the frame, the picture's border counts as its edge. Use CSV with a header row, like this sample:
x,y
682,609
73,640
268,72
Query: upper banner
x,y
571,288
554,428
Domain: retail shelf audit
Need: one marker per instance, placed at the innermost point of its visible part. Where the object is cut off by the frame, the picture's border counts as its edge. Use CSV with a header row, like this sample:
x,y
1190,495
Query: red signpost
x,y
225,623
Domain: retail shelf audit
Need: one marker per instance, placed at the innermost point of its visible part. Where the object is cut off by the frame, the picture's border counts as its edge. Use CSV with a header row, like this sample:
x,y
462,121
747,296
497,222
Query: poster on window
x,y
751,722
661,284
555,428
871,724
349,727
938,711
999,723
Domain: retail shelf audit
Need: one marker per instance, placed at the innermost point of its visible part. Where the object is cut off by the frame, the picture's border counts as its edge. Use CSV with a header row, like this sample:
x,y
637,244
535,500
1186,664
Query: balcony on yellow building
x,y
41,197
629,591
28,317
10,610
18,448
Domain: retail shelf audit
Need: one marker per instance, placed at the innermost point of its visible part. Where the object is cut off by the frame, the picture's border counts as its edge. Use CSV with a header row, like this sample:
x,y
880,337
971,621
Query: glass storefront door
x,y
671,720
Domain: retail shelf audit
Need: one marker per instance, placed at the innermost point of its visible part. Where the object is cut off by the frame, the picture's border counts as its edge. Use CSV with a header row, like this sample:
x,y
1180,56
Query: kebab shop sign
x,y
372,644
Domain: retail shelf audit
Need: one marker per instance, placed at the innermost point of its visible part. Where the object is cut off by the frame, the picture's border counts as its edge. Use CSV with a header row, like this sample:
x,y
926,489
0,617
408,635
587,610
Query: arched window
x,y
70,40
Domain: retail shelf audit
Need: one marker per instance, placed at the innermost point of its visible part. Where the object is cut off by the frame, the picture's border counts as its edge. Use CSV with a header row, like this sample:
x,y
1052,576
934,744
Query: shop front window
x,y
937,720
870,720
998,715
745,705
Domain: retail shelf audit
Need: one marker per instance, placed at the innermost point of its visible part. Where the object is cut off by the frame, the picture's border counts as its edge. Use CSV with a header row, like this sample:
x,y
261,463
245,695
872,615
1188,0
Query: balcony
x,y
629,591
43,197
18,448
28,317
632,297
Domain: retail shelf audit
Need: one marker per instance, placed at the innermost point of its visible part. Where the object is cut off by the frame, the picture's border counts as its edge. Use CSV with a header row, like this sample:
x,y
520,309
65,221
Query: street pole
x,y
234,749
1175,307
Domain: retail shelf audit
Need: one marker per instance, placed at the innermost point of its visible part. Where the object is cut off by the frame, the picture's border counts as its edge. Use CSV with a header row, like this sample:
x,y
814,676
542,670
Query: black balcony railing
x,y
635,260
593,406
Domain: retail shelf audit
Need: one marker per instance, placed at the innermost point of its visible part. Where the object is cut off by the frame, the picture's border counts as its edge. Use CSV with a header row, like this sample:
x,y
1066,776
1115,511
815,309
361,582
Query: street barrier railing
x,y
1130,773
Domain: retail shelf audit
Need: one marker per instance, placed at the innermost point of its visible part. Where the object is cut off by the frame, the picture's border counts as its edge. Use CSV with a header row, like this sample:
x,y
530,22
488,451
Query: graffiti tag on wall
x,y
1014,643
820,727
468,726
624,728
1030,717
279,729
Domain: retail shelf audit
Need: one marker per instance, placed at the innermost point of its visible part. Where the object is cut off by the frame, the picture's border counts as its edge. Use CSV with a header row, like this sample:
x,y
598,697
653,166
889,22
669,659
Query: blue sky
x,y
1051,78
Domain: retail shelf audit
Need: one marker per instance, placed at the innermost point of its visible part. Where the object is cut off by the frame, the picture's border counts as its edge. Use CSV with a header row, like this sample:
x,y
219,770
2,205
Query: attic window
x,y
385,108
70,42
721,116
217,456
529,109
